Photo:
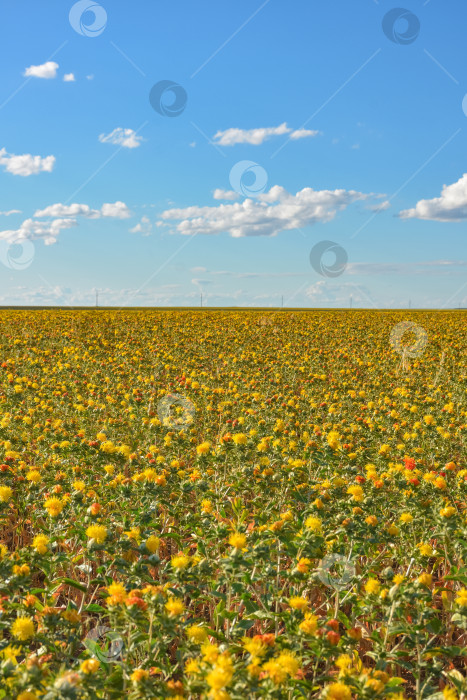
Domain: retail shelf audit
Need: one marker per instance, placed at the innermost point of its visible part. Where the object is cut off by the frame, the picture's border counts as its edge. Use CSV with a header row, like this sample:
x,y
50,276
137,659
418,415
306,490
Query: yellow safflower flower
x,y
203,448
196,633
5,494
40,543
54,506
23,628
90,666
152,543
180,561
174,607
139,675
314,524
97,533
310,624
372,586
406,518
298,603
237,540
356,492
338,691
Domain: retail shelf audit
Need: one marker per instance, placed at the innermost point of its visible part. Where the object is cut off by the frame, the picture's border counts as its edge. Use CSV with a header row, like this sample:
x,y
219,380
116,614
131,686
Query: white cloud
x,y
256,137
46,70
384,206
35,230
26,164
303,134
9,213
55,210
225,194
450,206
200,282
117,210
144,226
122,137
62,216
69,78
271,213
89,77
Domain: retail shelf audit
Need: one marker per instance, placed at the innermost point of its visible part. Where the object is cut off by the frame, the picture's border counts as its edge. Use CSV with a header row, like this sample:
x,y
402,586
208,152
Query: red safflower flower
x,y
135,600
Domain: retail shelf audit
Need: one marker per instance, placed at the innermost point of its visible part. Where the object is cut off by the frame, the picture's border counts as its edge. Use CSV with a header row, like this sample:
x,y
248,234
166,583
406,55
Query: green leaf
x,y
94,607
71,582
261,615
344,619
244,624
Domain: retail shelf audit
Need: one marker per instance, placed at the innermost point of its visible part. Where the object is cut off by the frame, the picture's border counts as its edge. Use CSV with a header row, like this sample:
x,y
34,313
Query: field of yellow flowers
x,y
233,504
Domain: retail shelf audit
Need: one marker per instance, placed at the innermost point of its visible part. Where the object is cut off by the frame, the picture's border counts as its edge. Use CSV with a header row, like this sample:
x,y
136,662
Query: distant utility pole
x,y
351,302
410,303
282,303
201,299
97,298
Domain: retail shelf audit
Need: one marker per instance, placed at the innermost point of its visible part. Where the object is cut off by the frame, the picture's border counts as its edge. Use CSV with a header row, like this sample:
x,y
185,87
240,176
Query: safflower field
x,y
232,504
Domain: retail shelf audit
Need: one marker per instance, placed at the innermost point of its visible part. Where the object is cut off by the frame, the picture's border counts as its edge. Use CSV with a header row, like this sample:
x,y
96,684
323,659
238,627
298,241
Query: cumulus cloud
x,y
61,217
38,230
450,206
26,164
117,210
144,226
255,137
271,212
45,70
9,213
122,137
69,78
225,194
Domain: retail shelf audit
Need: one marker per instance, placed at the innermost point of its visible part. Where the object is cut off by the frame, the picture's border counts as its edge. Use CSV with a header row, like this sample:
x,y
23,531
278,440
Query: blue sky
x,y
358,136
